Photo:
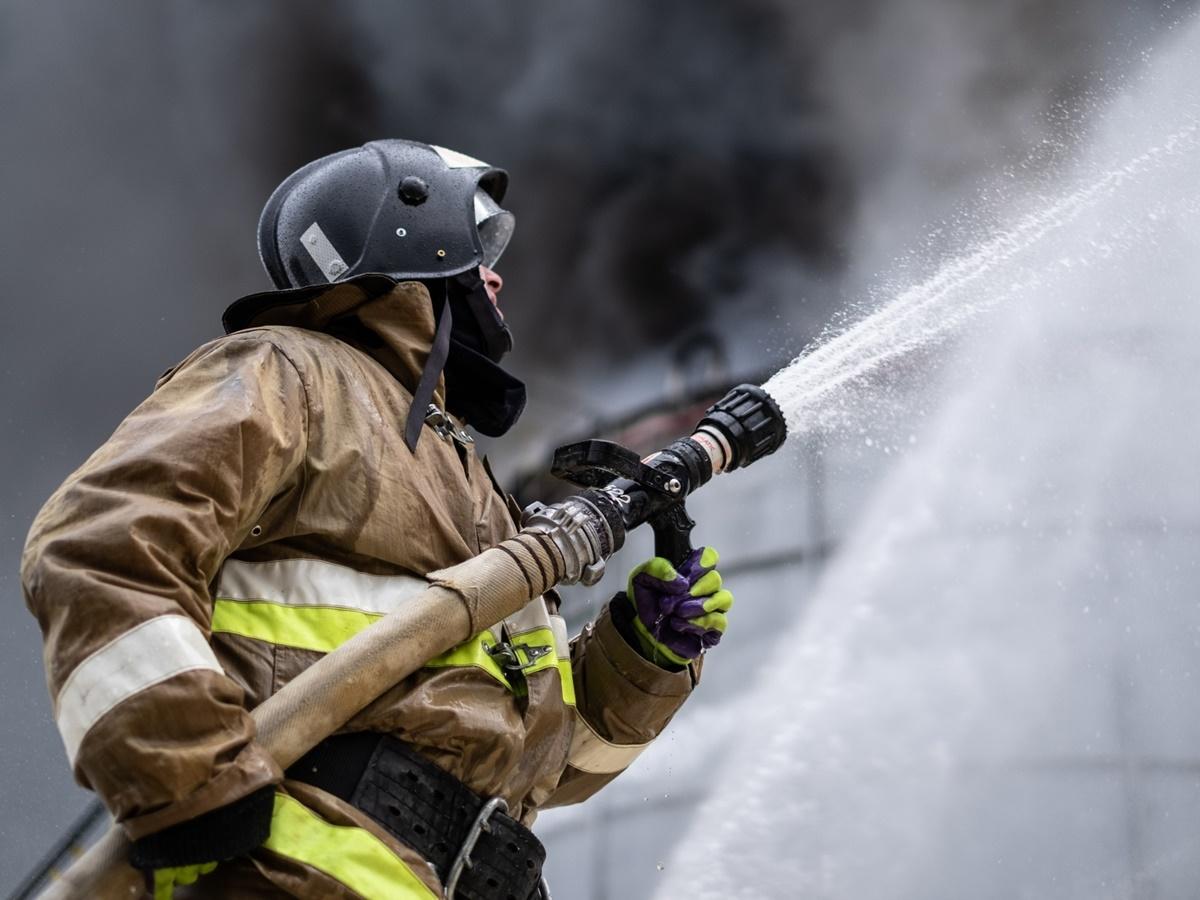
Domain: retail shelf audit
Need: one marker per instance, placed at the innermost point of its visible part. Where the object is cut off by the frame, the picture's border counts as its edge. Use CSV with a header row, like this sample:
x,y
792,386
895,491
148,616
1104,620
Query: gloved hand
x,y
679,614
223,833
165,880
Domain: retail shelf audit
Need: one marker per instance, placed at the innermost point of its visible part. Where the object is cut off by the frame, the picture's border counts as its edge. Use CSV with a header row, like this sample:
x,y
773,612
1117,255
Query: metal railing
x,y
68,847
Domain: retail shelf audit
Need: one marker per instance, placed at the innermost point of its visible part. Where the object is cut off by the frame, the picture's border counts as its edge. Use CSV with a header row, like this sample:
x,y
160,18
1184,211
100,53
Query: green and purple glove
x,y
678,614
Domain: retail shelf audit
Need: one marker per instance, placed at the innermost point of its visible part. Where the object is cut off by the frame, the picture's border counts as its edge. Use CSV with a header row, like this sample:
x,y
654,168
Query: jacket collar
x,y
391,321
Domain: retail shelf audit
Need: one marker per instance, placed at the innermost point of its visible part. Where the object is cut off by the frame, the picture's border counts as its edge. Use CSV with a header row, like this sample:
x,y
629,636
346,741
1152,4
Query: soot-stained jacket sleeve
x,y
117,570
623,702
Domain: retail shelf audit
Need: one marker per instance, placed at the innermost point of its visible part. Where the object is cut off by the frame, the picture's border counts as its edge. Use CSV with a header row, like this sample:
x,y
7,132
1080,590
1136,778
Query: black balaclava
x,y
477,389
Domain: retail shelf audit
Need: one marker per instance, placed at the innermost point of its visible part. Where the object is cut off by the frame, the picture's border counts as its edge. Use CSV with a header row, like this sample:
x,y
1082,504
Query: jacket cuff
x,y
251,769
218,834
651,678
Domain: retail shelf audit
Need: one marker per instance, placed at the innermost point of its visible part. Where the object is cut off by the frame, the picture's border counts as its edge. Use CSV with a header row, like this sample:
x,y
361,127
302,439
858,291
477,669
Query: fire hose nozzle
x,y
742,427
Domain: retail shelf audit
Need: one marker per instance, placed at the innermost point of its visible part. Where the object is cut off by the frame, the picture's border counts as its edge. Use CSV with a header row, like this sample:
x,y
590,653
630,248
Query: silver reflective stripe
x,y
314,582
562,644
455,160
328,260
593,754
140,658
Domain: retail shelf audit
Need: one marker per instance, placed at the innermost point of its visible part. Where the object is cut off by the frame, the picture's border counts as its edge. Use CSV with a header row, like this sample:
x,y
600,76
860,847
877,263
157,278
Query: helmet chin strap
x,y
439,352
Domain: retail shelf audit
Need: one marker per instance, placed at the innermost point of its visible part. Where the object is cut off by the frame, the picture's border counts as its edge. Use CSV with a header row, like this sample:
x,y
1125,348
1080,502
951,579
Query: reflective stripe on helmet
x,y
350,855
323,253
147,654
455,160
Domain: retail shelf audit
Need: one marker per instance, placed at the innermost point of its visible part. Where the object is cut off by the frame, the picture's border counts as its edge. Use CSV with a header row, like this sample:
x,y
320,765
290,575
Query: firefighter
x,y
284,487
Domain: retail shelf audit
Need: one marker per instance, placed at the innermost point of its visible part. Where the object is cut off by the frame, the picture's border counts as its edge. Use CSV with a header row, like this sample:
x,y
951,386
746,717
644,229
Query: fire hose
x,y
563,543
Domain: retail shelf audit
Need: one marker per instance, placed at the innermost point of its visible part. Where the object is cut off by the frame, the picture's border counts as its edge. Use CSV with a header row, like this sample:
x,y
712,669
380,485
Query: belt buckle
x,y
463,859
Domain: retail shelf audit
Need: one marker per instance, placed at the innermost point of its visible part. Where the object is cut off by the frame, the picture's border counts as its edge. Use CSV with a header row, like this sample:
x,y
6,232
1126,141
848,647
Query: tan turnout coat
x,y
259,508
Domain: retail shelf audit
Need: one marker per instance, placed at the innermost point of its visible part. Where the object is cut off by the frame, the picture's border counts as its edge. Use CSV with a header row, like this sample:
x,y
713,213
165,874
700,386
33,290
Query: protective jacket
x,y
257,510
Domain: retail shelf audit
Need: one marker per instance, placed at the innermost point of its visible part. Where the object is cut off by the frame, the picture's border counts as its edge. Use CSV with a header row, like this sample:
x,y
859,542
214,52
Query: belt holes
x,y
441,846
438,795
256,530
513,848
529,864
492,882
412,776
419,828
393,810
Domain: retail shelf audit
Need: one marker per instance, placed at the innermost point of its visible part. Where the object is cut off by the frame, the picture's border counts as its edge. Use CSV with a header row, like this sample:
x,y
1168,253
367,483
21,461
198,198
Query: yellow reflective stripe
x,y
544,637
567,679
471,653
353,856
320,628
539,637
562,646
325,628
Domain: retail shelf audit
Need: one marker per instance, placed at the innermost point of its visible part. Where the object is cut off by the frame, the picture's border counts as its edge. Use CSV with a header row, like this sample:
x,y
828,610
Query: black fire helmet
x,y
403,209
392,207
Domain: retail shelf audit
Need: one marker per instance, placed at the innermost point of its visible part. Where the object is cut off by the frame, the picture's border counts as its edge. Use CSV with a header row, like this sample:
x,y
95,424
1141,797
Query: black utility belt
x,y
478,851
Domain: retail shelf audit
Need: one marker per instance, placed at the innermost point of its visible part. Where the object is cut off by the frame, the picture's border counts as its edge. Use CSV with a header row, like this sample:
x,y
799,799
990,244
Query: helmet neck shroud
x,y
477,388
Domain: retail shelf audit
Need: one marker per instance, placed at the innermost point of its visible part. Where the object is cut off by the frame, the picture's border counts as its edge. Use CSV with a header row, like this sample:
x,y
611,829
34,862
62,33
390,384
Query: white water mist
x,y
820,390
992,693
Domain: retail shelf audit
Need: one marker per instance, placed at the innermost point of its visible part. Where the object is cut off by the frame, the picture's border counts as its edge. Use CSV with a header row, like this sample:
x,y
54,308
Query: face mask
x,y
477,322
477,389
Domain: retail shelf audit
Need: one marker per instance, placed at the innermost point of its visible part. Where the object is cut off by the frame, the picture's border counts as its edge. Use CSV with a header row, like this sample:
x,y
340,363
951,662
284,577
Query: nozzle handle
x,y
673,534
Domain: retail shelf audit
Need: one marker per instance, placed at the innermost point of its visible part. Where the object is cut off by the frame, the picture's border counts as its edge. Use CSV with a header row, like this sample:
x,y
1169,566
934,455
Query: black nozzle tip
x,y
750,420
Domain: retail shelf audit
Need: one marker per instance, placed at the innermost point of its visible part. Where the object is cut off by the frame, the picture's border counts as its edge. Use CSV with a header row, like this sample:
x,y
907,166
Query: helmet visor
x,y
495,226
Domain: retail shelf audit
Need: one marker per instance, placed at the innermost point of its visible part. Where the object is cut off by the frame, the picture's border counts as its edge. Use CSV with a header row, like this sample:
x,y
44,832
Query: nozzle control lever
x,y
740,428
651,490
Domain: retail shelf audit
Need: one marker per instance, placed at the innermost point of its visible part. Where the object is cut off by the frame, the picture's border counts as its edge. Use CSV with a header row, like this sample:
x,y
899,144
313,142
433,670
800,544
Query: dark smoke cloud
x,y
652,154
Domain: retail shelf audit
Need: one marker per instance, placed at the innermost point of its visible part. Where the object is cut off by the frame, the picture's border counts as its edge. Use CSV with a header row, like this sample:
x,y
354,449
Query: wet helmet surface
x,y
393,207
